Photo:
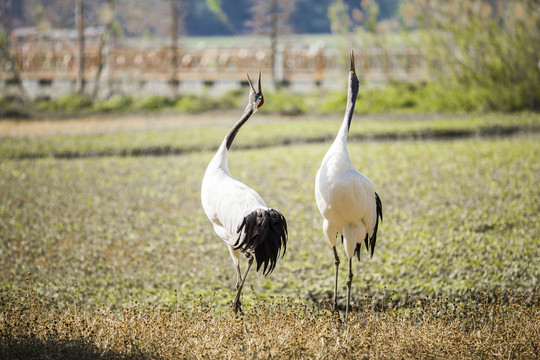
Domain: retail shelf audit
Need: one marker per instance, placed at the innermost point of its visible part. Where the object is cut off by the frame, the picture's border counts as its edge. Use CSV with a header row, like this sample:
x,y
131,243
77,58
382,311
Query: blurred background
x,y
472,55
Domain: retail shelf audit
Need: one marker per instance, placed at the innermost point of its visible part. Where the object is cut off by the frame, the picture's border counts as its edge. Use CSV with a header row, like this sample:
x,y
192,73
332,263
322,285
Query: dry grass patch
x,y
273,328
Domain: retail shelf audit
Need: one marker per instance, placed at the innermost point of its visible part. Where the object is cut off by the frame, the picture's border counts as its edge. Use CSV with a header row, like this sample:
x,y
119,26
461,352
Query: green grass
x,y
261,133
458,215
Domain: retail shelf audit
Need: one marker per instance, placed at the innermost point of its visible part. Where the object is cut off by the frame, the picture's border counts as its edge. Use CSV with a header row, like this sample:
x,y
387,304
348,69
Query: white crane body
x,y
345,198
227,201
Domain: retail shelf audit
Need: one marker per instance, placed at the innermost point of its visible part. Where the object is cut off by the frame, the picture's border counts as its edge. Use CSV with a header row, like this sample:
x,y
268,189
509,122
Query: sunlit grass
x,y
262,133
458,215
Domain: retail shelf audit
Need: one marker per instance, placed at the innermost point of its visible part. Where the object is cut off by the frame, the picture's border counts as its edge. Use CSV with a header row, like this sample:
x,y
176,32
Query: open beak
x,y
250,83
351,56
260,91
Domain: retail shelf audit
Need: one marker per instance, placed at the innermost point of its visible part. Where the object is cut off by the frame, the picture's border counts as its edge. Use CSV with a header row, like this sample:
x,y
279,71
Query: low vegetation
x,y
113,257
84,105
274,328
392,98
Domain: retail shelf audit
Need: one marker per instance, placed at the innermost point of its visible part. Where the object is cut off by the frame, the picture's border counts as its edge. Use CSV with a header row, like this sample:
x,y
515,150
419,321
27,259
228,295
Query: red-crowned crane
x,y
239,215
346,198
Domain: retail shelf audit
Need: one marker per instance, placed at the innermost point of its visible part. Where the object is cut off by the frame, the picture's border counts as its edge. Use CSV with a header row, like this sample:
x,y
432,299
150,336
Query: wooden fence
x,y
48,63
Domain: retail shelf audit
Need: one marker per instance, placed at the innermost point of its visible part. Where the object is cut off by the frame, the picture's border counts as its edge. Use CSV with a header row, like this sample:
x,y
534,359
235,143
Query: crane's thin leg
x,y
238,276
336,264
349,282
236,303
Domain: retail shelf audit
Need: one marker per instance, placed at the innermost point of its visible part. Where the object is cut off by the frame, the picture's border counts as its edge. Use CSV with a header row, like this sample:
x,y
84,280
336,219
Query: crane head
x,y
256,97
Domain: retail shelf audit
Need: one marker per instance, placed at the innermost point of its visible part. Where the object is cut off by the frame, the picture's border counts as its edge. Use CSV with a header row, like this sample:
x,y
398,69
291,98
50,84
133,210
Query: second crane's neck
x,y
352,93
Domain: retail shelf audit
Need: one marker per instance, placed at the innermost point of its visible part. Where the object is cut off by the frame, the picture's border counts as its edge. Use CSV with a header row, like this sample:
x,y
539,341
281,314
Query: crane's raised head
x,y
255,101
353,79
256,98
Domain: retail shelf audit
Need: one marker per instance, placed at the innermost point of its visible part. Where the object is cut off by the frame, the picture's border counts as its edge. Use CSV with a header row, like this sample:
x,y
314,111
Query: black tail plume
x,y
373,239
266,234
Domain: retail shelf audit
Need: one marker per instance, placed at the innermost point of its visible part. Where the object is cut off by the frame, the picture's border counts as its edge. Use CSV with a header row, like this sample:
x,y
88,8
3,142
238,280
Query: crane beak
x,y
250,83
351,56
260,91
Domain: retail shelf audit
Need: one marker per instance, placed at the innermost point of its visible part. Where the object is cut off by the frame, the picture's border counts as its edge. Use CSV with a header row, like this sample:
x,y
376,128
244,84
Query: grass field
x,y
120,240
195,133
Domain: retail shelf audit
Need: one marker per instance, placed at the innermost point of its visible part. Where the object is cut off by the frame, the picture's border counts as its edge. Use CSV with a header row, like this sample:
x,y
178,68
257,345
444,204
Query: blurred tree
x,y
179,11
79,84
345,17
209,17
144,17
6,21
216,8
487,50
7,62
174,43
271,18
371,13
338,13
311,16
107,17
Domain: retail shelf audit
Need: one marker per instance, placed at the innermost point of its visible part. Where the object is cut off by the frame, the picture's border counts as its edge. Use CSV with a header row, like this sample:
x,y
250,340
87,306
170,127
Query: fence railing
x,y
210,64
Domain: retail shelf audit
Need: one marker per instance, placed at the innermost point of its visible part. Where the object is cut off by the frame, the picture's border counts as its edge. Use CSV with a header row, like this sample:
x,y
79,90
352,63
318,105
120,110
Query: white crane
x,y
239,215
346,198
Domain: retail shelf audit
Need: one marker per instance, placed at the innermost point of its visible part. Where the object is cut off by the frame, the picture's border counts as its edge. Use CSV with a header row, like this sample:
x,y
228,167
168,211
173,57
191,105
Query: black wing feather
x,y
266,235
373,239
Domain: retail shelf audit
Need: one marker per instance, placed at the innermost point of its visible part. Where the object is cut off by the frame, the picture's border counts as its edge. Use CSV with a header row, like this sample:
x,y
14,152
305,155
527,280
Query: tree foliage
x,y
271,17
210,17
488,50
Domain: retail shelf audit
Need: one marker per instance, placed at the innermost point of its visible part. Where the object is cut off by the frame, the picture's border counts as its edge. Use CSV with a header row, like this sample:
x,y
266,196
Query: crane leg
x,y
336,264
236,303
238,276
349,282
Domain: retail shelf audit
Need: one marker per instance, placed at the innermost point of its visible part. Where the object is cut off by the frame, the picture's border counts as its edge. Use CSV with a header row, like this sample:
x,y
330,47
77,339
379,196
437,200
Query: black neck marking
x,y
352,93
234,130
